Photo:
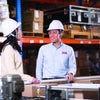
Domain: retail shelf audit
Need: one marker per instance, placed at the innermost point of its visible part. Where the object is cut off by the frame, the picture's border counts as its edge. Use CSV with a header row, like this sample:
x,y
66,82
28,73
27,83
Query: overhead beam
x,y
67,2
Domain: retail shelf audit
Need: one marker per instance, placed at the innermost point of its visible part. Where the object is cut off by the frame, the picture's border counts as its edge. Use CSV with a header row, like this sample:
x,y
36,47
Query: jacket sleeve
x,y
12,63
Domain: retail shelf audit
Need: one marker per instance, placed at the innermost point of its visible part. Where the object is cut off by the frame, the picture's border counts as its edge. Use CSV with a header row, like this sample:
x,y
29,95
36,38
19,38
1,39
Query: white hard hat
x,y
56,24
8,26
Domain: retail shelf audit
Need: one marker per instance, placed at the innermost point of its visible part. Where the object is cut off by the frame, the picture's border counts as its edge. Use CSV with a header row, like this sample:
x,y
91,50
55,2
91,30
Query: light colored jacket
x,y
11,63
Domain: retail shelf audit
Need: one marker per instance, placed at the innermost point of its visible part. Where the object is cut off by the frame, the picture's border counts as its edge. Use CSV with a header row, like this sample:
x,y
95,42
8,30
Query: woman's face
x,y
19,34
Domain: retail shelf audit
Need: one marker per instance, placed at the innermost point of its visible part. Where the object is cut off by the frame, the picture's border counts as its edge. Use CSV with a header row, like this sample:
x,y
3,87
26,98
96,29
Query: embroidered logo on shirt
x,y
64,52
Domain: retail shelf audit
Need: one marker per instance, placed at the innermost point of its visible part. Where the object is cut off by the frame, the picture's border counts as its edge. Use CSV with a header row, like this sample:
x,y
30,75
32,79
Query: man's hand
x,y
70,77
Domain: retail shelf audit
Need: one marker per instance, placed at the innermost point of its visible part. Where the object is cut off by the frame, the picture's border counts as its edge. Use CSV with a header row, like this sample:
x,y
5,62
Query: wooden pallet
x,y
95,35
80,34
95,32
31,34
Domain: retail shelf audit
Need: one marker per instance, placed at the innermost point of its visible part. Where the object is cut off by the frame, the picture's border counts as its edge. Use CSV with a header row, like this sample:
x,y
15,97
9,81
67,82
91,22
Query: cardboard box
x,y
35,27
31,91
81,55
82,63
33,15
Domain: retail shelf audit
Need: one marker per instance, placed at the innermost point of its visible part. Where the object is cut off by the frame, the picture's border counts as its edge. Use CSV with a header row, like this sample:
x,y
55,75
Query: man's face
x,y
54,35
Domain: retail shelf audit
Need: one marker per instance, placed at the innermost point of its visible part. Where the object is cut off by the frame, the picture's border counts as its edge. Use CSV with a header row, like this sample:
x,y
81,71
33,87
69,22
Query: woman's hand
x,y
35,81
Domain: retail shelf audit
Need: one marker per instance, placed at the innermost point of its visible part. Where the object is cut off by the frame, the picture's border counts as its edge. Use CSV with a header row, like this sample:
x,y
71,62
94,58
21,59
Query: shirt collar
x,y
59,45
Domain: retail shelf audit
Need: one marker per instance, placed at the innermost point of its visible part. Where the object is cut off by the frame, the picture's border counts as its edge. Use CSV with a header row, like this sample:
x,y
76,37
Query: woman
x,y
11,60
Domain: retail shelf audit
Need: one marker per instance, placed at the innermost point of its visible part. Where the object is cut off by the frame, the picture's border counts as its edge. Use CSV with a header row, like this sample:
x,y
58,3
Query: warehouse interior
x,y
83,36
88,50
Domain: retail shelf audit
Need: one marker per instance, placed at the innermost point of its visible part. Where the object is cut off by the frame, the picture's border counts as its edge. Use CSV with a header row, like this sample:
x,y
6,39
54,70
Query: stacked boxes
x,y
81,58
94,62
88,62
32,22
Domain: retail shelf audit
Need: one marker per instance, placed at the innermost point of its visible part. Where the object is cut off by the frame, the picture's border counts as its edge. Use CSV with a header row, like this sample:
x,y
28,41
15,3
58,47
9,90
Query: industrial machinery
x,y
12,86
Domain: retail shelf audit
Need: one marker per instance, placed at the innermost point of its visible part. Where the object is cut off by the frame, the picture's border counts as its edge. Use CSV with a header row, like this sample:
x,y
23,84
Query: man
x,y
56,59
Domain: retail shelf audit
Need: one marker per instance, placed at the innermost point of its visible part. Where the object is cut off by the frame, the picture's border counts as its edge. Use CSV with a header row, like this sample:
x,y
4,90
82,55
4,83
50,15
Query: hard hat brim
x,y
18,24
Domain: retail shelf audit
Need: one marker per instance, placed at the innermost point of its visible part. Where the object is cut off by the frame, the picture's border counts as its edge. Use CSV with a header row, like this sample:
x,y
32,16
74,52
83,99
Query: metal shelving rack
x,y
33,40
29,40
85,19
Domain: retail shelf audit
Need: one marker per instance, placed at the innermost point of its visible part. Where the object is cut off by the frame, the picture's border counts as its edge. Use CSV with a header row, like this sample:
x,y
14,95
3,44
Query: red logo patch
x,y
64,52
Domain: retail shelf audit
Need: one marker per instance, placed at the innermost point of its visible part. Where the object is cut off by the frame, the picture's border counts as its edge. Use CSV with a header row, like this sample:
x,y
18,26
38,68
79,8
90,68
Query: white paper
x,y
98,18
36,13
79,16
36,26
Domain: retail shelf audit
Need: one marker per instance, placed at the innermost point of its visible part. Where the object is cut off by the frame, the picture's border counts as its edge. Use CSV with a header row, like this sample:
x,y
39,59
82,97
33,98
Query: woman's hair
x,y
11,40
60,31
